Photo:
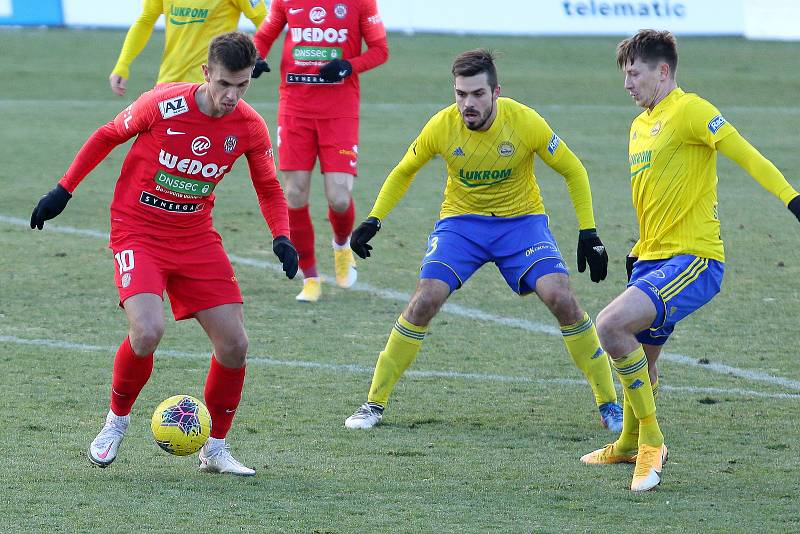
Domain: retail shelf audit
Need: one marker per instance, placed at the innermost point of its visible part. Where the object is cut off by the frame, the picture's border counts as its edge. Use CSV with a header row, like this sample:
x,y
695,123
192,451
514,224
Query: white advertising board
x,y
564,17
773,19
518,17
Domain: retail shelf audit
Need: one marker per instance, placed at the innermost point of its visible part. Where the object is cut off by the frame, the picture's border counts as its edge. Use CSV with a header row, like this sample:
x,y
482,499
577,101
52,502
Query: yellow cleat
x,y
345,266
606,456
649,461
312,290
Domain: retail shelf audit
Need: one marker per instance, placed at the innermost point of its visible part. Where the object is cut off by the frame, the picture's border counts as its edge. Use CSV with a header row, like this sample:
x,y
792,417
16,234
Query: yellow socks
x,y
632,371
401,350
584,347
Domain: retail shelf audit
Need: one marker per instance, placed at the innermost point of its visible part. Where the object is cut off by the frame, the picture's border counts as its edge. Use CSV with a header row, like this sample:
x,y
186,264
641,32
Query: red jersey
x,y
320,31
166,185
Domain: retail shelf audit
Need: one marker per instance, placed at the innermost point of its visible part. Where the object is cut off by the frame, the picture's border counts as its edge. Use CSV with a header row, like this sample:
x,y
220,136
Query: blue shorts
x,y
677,286
522,248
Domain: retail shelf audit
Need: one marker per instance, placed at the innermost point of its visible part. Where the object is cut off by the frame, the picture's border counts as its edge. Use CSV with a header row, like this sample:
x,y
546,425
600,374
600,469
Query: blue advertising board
x,y
31,13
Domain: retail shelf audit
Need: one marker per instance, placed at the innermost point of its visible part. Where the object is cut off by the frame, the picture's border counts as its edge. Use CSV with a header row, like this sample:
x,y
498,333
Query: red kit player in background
x,y
187,138
318,115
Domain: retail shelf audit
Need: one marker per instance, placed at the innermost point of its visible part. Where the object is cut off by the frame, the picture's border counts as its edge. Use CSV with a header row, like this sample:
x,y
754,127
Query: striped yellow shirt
x,y
673,165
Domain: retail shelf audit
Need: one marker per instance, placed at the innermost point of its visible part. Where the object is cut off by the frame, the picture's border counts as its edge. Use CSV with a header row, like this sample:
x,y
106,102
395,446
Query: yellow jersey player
x,y
492,212
190,26
677,264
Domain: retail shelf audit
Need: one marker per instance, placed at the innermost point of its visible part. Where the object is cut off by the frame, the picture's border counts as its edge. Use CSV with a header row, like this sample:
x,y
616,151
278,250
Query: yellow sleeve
x,y
557,155
570,167
137,36
399,180
737,148
253,10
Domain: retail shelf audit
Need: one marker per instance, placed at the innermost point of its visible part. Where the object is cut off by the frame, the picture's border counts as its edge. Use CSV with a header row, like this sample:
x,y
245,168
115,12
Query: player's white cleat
x,y
312,290
367,416
649,463
345,265
215,457
103,448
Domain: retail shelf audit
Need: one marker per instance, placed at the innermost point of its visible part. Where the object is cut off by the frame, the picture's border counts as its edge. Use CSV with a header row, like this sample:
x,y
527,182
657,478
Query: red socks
x,y
302,236
302,233
131,373
342,223
222,393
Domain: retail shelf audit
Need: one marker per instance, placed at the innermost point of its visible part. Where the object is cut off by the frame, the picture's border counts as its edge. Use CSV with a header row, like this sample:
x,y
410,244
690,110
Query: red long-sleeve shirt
x,y
166,185
320,31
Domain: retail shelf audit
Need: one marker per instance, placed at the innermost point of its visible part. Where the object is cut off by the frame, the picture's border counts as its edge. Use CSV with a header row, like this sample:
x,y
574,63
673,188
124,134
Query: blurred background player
x,y
318,115
492,212
187,138
677,264
190,26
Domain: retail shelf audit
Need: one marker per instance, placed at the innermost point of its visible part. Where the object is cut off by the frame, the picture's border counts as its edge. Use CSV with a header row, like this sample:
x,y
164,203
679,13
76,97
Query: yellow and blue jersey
x,y
673,166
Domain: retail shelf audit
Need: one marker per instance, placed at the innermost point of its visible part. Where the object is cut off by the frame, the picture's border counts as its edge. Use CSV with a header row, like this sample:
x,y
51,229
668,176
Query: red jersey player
x,y
187,138
318,115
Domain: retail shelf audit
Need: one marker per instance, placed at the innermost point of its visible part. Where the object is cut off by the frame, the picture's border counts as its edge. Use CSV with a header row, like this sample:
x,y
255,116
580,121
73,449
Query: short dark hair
x,y
473,62
651,46
233,50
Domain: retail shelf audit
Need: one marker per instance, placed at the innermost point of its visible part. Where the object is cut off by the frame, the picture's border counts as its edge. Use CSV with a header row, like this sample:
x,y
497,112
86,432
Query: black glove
x,y
260,68
592,251
361,236
335,70
286,252
794,206
50,206
629,261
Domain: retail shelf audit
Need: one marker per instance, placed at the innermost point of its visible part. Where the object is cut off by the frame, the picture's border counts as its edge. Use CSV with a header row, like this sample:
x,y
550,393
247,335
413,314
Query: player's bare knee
x,y
609,330
423,307
232,352
563,306
145,336
296,197
340,203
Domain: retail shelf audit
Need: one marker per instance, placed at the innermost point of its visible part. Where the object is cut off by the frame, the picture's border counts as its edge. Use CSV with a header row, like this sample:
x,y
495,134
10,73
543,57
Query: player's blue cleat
x,y
611,416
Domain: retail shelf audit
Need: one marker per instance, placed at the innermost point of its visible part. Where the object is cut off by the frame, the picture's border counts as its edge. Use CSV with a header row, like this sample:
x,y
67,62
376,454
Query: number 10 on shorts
x,y
124,260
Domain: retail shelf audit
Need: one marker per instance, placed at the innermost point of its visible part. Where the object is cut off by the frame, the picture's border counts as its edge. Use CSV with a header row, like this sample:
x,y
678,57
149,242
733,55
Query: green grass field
x,y
485,434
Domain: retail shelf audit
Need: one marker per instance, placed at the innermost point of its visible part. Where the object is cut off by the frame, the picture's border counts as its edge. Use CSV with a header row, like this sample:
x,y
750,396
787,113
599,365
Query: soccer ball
x,y
181,425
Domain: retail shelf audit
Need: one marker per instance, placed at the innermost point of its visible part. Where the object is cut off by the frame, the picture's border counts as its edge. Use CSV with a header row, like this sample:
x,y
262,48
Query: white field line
x,y
396,106
358,369
463,311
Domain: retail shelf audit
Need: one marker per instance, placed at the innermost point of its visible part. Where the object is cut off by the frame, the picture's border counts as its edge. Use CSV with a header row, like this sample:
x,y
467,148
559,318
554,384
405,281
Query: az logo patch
x,y
173,106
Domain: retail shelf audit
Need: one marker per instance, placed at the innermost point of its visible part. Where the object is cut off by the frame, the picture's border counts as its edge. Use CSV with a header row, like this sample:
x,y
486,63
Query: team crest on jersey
x,y
172,107
340,11
552,146
230,143
317,15
505,148
654,131
716,123
634,136
254,3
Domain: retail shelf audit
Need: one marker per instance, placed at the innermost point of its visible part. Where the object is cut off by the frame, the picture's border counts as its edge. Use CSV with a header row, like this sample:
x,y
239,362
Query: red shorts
x,y
195,272
301,140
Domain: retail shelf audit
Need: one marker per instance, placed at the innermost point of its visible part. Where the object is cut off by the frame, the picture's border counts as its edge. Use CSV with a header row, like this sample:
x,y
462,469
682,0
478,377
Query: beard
x,y
480,121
